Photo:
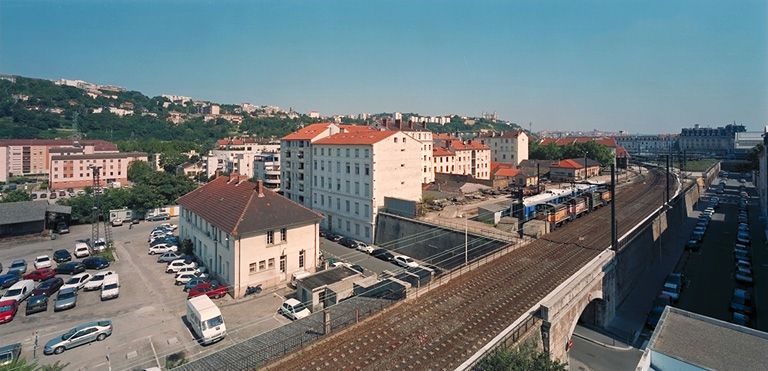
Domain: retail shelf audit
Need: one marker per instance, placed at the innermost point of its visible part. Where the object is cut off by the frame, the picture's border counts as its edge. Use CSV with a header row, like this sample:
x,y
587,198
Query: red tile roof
x,y
443,136
573,163
458,145
308,132
507,172
606,141
621,152
355,128
440,151
357,137
238,208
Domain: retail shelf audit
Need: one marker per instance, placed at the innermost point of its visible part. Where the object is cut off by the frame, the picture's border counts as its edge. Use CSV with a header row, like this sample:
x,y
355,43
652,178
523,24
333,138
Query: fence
x,y
511,338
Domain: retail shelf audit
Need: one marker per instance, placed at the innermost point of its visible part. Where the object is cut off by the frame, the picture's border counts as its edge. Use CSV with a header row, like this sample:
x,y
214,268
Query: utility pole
x,y
667,179
586,174
466,240
614,237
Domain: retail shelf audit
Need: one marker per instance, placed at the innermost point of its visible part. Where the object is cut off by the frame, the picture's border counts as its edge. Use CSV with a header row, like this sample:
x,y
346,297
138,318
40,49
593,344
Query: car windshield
x,y
66,294
97,278
68,334
13,292
43,259
17,264
111,286
213,322
74,280
5,308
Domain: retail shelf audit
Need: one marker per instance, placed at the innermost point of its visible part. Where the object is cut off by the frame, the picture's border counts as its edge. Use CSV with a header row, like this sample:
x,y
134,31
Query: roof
x,y
308,132
440,151
235,205
707,342
99,156
64,149
507,172
99,145
327,277
503,134
357,138
621,152
606,141
28,211
355,128
458,145
443,136
574,163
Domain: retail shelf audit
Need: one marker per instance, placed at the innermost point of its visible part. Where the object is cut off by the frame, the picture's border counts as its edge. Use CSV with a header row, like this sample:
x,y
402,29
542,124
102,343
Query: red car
x,y
8,310
41,274
213,289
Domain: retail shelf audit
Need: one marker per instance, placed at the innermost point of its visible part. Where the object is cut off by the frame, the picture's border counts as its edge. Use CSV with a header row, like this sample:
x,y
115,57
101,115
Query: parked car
x,y
97,280
741,301
100,245
48,287
40,274
77,281
362,246
740,318
43,261
162,248
81,334
659,304
36,303
8,309
294,309
213,289
159,216
96,262
693,245
168,239
62,228
135,221
743,276
61,256
82,250
117,222
744,239
10,278
405,261
169,257
194,282
347,242
70,268
66,299
111,287
183,278
169,226
383,254
19,265
175,265
19,291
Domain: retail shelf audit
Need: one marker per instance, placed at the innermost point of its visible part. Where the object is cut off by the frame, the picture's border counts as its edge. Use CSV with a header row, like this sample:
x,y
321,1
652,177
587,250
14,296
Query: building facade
x,y
31,157
418,132
506,147
648,144
248,235
353,172
573,169
235,155
76,170
453,156
718,140
267,168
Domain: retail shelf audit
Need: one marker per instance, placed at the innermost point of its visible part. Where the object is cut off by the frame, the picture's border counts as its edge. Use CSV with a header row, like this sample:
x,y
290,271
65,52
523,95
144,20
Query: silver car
x,y
66,299
168,257
82,334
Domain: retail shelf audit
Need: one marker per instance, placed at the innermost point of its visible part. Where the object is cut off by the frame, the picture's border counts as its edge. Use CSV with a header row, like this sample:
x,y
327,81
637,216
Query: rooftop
x,y
99,156
99,145
503,134
28,211
440,151
308,132
239,206
606,141
327,277
357,137
574,163
708,343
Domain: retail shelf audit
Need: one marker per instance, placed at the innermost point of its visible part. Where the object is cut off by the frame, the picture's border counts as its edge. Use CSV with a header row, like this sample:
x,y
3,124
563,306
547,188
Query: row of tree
x,y
551,151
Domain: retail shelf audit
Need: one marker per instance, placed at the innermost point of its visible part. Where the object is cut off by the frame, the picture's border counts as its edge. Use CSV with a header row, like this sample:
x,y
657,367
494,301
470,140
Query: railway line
x,y
450,323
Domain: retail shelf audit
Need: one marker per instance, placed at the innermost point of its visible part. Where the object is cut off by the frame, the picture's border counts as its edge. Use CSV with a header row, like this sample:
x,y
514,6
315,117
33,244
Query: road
x,y
332,249
586,355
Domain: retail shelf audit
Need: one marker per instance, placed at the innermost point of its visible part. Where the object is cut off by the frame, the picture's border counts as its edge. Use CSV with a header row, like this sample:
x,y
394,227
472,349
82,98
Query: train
x,y
532,205
573,207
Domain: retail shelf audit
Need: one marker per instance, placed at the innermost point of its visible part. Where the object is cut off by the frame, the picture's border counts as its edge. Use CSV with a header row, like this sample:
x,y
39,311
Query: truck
x,y
205,319
123,214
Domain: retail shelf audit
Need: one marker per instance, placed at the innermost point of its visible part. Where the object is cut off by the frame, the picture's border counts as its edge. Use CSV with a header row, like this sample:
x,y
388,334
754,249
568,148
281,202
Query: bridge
x,y
538,291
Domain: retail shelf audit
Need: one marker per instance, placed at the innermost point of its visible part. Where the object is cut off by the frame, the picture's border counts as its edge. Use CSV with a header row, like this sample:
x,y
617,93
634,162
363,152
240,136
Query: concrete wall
x,y
430,243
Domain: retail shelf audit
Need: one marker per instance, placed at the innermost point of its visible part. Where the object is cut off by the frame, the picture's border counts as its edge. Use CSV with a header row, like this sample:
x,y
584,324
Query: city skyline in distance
x,y
642,67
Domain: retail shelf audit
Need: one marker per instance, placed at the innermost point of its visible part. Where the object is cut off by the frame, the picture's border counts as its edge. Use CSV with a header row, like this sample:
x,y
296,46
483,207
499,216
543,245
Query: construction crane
x,y
97,213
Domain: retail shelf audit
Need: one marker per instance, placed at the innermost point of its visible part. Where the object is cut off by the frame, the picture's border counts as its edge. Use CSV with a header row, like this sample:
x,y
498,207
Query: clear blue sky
x,y
642,66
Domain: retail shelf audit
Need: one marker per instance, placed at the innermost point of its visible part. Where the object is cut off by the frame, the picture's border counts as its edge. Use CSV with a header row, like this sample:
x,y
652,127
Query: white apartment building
x,y
352,173
236,155
452,156
295,158
419,133
510,147
267,167
248,235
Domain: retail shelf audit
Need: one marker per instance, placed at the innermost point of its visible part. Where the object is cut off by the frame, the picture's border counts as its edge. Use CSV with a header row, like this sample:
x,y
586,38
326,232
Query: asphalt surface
x,y
333,250
587,355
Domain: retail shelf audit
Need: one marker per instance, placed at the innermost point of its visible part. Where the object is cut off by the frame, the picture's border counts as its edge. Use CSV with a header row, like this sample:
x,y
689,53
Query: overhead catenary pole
x,y
614,238
667,198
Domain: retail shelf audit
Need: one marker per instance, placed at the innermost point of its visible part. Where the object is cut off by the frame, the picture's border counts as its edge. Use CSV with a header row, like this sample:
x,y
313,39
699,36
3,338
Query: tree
x,y
139,171
171,160
16,196
525,357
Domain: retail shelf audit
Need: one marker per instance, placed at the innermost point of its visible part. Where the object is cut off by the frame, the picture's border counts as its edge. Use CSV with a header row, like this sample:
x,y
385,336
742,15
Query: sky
x,y
639,66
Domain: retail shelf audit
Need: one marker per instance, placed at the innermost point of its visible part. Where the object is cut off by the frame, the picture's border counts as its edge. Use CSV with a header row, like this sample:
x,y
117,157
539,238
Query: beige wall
x,y
508,150
231,257
74,172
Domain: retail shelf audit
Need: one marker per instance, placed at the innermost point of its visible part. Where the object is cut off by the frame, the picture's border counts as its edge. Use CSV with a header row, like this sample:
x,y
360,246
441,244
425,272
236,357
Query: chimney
x,y
260,187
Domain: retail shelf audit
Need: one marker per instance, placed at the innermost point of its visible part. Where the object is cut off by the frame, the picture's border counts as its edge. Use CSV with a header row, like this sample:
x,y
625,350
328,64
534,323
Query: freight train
x,y
573,207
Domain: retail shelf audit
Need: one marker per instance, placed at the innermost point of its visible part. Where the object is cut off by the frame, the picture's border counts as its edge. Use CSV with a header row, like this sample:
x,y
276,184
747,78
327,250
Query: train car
x,y
577,206
594,200
605,195
555,214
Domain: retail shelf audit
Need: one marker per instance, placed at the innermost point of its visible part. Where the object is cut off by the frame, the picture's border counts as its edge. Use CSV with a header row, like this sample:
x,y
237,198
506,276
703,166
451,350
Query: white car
x,y
43,261
196,270
176,265
294,309
77,281
100,245
183,278
169,226
82,250
19,291
405,261
117,222
362,246
162,248
158,235
97,280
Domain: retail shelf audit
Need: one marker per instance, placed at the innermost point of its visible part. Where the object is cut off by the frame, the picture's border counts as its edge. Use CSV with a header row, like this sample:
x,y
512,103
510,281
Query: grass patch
x,y
108,254
699,165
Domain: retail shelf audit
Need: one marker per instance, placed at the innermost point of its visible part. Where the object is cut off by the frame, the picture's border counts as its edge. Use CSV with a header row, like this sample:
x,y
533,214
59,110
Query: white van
x,y
19,291
110,289
205,319
82,250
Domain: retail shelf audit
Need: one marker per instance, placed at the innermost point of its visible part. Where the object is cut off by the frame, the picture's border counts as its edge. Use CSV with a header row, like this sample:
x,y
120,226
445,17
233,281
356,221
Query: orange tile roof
x,y
573,163
357,137
507,172
443,136
621,152
458,145
440,151
356,128
308,132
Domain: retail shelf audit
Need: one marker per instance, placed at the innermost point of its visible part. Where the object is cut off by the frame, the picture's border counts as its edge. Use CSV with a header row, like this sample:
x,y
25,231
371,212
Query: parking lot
x,y
147,316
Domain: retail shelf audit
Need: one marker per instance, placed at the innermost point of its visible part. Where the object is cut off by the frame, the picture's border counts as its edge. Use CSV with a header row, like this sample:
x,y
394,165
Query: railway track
x,y
444,327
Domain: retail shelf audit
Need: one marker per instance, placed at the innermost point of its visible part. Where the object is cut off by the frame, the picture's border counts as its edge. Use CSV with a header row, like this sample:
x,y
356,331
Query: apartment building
x,y
509,147
267,167
453,156
709,140
235,155
352,172
295,158
658,143
31,157
248,235
75,170
419,133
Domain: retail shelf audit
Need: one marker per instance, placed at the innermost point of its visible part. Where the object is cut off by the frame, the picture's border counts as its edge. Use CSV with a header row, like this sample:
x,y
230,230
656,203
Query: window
x,y
271,263
367,212
357,152
338,152
367,232
403,140
301,259
367,169
395,139
338,166
347,152
347,204
282,263
366,152
346,186
366,189
338,184
283,234
262,265
315,164
357,188
348,229
322,151
338,203
357,210
357,169
322,200
252,268
270,237
348,167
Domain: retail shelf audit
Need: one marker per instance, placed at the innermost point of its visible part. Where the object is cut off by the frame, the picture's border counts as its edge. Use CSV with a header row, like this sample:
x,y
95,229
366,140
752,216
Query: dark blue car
x,y
7,280
95,262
